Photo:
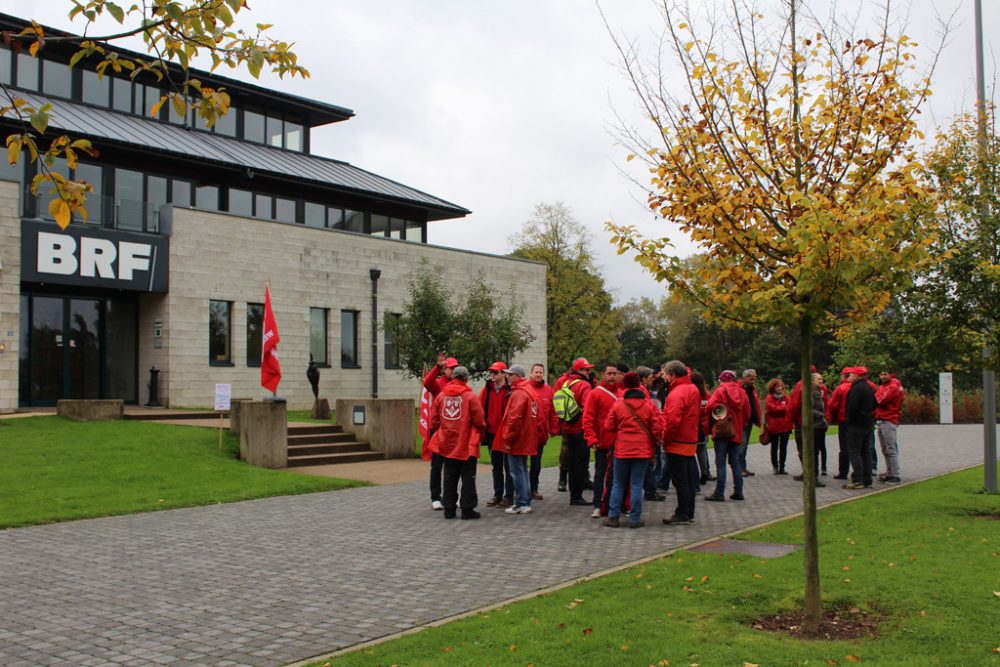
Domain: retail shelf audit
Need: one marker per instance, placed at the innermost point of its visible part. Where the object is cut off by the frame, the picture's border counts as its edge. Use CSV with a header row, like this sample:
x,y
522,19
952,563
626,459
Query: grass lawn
x,y
918,555
55,469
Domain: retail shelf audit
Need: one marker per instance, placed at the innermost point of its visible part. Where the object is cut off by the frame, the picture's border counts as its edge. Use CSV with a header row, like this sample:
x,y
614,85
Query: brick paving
x,y
274,581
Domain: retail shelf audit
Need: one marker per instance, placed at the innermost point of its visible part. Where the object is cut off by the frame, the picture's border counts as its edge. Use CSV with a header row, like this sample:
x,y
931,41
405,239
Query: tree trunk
x,y
813,604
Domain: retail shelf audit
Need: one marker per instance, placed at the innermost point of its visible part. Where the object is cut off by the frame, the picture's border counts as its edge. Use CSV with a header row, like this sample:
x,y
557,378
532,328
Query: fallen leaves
x,y
575,603
587,631
852,658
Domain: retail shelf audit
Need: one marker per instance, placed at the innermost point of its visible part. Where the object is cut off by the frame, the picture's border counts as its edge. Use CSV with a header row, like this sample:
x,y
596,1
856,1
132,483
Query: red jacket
x,y
581,390
630,440
458,421
545,412
599,404
795,404
681,412
494,403
737,404
520,427
433,382
776,414
890,401
835,406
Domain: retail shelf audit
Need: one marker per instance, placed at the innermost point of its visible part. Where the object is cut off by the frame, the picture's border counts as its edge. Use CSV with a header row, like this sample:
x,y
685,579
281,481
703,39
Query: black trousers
x,y
437,461
844,455
536,468
579,464
682,473
779,450
859,446
455,469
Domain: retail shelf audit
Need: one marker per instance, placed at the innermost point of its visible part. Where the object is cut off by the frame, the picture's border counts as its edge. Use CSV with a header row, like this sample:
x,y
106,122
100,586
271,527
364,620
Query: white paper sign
x,y
223,395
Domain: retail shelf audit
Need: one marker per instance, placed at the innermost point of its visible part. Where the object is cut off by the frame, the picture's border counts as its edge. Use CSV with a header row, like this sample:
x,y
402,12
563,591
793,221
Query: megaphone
x,y
719,412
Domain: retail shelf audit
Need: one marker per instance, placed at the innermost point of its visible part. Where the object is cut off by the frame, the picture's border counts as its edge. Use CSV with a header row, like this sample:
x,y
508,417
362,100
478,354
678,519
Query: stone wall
x,y
229,258
10,293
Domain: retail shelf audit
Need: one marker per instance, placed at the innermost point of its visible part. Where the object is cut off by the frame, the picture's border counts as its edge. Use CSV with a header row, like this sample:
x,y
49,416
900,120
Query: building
x,y
186,226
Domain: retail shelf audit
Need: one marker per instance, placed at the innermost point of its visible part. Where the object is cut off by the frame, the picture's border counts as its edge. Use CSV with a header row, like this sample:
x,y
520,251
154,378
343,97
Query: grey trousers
x,y
890,446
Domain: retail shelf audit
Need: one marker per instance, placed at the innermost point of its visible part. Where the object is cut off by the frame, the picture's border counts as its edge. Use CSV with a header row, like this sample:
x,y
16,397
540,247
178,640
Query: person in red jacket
x,y
635,427
577,452
730,394
681,417
795,414
889,397
494,397
518,436
835,416
598,406
548,417
778,423
458,421
435,381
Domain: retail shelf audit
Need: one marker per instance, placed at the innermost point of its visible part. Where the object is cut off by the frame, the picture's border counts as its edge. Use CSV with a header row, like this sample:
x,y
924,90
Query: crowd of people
x,y
646,431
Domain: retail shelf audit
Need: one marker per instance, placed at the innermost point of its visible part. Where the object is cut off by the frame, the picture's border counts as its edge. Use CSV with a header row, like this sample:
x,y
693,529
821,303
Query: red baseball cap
x,y
581,364
451,362
498,366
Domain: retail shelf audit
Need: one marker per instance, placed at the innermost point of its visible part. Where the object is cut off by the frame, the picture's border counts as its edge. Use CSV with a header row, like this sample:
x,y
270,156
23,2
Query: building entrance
x,y
77,347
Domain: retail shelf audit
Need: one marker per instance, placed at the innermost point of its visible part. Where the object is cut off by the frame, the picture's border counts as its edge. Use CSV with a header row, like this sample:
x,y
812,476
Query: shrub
x,y
919,409
968,408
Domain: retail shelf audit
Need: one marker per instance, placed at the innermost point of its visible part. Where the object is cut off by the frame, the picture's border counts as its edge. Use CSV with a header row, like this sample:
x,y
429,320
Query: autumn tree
x,y
579,314
173,31
475,324
788,156
642,331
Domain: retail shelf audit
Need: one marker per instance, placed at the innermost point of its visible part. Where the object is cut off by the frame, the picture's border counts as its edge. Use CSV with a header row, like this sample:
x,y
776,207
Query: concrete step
x,y
320,438
329,459
193,414
328,448
313,429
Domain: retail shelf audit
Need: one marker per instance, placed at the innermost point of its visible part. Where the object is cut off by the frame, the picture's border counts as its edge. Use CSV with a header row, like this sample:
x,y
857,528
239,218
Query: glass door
x,y
47,339
83,348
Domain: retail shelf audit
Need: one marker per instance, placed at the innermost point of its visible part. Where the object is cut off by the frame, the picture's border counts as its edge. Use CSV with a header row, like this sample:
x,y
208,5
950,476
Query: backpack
x,y
564,402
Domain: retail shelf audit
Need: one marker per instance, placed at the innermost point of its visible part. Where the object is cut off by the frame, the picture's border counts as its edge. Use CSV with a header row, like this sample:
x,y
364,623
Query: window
x,y
129,201
121,90
349,339
391,351
55,79
380,225
219,339
262,207
207,198
354,221
240,202
414,231
94,175
180,192
397,228
284,210
96,90
253,126
255,330
293,136
317,336
6,62
27,71
227,124
315,215
275,133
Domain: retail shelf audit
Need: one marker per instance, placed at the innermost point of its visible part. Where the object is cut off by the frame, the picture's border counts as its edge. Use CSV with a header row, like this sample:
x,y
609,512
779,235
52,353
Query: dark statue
x,y
313,374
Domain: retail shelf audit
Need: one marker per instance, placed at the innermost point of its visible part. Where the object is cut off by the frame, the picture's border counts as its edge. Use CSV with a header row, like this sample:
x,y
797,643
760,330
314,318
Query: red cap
x,y
581,364
451,362
498,366
847,370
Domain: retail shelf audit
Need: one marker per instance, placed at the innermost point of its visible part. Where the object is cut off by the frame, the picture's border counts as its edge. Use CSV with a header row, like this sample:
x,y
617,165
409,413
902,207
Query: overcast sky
x,y
498,105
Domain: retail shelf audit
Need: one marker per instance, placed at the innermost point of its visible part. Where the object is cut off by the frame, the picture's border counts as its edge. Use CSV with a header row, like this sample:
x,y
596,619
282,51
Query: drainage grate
x,y
761,549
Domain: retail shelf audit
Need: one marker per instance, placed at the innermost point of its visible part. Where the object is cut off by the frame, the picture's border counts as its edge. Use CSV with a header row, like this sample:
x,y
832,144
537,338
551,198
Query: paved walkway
x,y
269,582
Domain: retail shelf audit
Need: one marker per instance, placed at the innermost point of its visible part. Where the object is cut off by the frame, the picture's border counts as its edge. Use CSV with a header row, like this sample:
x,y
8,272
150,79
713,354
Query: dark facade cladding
x,y
85,291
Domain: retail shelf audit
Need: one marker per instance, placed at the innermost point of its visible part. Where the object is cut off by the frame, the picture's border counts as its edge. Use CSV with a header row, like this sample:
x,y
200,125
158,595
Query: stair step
x,y
319,438
329,448
312,429
329,459
151,416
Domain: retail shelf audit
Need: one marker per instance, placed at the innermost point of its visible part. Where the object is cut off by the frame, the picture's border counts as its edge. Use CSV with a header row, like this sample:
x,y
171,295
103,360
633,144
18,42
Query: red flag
x,y
270,368
425,423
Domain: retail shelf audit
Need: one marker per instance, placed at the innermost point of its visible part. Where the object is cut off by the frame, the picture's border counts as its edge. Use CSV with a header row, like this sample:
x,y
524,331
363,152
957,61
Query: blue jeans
x,y
522,480
726,450
631,472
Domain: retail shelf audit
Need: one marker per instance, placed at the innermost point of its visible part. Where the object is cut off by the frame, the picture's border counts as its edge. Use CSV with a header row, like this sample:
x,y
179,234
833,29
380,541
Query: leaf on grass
x,y
923,612
750,664
587,631
757,576
852,658
663,663
512,648
996,593
705,579
448,649
831,661
624,647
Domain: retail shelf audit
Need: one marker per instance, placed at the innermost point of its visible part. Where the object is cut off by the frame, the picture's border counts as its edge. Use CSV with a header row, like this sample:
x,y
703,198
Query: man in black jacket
x,y
859,420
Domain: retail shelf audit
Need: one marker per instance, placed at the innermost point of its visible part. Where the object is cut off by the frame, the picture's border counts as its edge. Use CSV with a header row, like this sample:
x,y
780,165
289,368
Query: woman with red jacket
x,y
778,424
458,421
636,427
730,394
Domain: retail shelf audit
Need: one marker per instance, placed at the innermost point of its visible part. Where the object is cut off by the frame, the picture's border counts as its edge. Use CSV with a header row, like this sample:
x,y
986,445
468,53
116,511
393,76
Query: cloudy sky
x,y
498,105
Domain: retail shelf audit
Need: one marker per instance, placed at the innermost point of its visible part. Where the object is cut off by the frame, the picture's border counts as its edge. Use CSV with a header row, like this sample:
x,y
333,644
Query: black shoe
x,y
776,470
580,501
563,476
676,521
562,487
704,478
589,485
819,483
840,476
655,497
748,473
782,472
716,497
736,496
609,522
449,512
470,514
823,473
892,480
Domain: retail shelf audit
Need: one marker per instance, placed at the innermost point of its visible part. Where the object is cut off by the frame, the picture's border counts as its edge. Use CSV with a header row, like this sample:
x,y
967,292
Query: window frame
x,y
325,362
228,360
389,349
346,362
252,308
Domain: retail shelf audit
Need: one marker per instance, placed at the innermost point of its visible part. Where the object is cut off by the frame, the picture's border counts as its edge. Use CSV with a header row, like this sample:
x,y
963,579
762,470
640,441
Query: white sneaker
x,y
514,509
596,514
436,505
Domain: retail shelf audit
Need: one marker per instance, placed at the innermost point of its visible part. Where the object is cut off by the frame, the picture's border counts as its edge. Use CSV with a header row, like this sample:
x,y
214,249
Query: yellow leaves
x,y
59,210
512,648
575,603
13,148
750,664
852,658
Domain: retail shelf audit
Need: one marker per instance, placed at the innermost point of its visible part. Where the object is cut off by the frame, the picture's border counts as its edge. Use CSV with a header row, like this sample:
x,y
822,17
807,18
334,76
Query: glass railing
x,y
102,211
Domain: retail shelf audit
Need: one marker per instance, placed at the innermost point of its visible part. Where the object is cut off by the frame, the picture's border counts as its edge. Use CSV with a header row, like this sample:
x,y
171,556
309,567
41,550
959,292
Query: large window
x,y
349,339
27,71
391,351
220,317
96,90
317,336
255,329
56,79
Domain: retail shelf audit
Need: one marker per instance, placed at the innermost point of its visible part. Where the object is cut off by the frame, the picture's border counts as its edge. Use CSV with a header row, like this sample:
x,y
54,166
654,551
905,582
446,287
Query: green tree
x,y
173,31
580,318
792,164
642,332
475,325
